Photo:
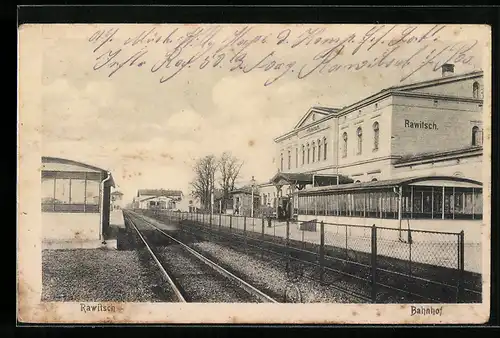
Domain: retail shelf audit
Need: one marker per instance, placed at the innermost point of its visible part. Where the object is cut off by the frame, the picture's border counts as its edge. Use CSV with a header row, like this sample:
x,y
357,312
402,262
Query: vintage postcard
x,y
219,173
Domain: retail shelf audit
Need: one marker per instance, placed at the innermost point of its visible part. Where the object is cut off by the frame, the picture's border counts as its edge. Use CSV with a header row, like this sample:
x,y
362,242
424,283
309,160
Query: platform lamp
x,y
253,185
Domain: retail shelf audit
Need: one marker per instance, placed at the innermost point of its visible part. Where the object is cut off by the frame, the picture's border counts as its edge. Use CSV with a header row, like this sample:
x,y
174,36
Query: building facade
x,y
75,200
160,199
116,200
427,128
371,138
242,202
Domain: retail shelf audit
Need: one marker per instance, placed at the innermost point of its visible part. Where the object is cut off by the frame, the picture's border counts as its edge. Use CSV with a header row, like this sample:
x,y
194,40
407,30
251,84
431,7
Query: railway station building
x,y
400,136
75,200
160,199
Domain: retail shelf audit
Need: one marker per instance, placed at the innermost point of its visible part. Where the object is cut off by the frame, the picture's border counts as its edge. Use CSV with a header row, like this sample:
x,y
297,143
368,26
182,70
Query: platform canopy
x,y
437,181
300,180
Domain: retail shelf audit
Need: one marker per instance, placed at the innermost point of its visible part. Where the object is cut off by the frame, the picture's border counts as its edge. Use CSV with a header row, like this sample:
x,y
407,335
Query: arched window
x,y
359,134
344,146
281,165
375,136
477,136
324,148
289,159
319,150
314,152
357,181
303,155
374,179
475,90
308,154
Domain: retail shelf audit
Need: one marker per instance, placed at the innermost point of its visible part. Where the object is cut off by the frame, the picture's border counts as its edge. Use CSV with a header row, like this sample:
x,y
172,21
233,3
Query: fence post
x,y
230,222
322,251
374,264
461,249
262,236
410,258
245,231
287,245
346,250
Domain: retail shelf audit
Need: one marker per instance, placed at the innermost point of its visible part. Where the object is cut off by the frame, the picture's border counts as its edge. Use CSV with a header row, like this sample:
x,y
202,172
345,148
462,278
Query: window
x,y
308,153
77,191
296,157
303,155
359,134
281,164
70,192
477,137
375,136
475,90
344,146
62,191
289,159
314,152
92,196
324,148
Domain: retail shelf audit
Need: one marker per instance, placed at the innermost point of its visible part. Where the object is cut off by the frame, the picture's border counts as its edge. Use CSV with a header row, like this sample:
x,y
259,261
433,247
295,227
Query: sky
x,y
147,133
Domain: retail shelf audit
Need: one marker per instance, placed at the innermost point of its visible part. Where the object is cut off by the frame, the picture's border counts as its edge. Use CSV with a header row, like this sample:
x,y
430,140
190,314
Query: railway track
x,y
190,275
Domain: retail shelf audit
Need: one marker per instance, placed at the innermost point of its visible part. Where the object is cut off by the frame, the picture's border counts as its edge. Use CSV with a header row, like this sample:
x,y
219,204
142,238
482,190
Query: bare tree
x,y
203,183
229,168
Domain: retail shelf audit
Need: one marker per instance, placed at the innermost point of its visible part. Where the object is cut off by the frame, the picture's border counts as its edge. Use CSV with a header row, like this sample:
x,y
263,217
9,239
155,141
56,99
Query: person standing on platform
x,y
268,214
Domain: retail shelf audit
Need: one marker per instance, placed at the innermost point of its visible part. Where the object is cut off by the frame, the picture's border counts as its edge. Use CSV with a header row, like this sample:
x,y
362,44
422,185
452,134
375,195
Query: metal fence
x,y
380,262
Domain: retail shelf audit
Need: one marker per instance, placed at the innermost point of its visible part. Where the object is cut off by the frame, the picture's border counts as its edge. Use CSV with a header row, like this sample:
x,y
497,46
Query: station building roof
x,y
159,192
439,155
411,90
46,160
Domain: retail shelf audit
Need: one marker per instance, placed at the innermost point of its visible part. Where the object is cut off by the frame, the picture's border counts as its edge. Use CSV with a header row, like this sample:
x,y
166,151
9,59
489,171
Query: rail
x,y
164,272
243,284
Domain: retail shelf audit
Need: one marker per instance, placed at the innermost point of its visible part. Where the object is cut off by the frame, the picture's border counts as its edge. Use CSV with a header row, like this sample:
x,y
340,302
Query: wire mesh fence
x,y
426,265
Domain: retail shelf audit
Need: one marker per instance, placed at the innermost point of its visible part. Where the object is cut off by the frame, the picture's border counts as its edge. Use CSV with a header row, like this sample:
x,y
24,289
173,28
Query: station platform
x,y
110,244
116,219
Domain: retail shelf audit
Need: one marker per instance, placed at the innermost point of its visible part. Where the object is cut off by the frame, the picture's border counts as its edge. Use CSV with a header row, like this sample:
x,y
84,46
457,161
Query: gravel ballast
x,y
200,282
268,276
94,275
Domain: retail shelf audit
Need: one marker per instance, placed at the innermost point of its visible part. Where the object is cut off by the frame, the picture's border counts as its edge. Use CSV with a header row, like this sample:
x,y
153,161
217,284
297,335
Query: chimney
x,y
448,69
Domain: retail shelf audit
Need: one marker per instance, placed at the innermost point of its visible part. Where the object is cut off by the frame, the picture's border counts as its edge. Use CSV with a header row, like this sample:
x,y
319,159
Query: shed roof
x,y
50,159
246,190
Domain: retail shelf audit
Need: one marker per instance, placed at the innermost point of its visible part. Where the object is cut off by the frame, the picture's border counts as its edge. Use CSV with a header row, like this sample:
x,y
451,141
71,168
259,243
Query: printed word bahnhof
x,y
410,152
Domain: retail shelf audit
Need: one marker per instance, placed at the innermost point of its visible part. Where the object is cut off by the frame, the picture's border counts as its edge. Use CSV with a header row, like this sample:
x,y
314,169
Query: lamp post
x,y
253,185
